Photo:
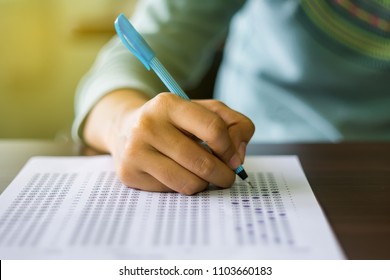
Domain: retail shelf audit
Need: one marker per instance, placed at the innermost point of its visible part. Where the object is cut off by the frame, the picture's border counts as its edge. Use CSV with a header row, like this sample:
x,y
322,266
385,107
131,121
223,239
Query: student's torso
x,y
331,57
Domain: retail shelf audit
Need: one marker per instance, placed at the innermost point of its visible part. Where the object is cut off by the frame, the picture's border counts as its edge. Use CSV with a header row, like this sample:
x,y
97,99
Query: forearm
x,y
107,117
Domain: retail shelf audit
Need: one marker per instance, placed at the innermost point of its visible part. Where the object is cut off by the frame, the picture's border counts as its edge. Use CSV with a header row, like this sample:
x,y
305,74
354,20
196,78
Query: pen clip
x,y
133,40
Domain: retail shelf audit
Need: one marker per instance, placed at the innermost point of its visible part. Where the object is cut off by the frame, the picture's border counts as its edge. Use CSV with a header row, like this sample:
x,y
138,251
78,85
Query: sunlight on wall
x,y
46,47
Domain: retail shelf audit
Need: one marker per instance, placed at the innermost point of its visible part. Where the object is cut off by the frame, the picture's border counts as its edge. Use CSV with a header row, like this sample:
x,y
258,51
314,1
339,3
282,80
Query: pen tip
x,y
249,183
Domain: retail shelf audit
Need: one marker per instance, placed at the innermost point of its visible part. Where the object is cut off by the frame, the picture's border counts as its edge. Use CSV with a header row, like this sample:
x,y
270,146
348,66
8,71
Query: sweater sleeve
x,y
184,35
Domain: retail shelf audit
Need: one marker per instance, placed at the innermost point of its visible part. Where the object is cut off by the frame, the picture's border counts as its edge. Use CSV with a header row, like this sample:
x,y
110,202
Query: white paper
x,y
75,208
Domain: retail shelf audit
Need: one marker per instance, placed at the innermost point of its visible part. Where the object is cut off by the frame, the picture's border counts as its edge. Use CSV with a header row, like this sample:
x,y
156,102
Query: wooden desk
x,y
351,182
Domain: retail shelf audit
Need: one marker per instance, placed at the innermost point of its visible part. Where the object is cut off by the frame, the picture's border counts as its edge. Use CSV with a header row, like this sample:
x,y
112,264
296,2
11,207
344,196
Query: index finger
x,y
207,126
240,127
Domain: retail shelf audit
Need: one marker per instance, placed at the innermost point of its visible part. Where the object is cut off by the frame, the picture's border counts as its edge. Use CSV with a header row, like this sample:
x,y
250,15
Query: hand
x,y
154,149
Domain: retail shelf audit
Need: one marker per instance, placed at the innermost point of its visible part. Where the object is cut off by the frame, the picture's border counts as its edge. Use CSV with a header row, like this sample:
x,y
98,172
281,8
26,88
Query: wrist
x,y
108,119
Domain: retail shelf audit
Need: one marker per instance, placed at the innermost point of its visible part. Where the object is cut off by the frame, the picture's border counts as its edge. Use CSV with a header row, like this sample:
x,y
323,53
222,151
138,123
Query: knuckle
x,y
132,151
141,126
204,167
250,125
162,105
163,99
247,123
193,186
187,185
125,174
216,105
253,127
126,164
216,129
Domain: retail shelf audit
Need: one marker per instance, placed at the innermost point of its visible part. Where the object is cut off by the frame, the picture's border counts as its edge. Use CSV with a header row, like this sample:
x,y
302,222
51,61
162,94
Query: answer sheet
x,y
76,208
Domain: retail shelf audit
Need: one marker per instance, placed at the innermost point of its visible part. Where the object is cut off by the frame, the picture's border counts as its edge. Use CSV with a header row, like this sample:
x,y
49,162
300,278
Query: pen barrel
x,y
167,79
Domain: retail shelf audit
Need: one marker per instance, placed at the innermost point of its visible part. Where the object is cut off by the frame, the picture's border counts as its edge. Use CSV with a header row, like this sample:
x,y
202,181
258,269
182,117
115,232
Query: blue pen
x,y
138,46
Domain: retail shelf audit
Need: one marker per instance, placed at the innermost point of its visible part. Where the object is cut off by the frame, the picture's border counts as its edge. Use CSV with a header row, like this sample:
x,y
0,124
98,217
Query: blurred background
x,y
46,47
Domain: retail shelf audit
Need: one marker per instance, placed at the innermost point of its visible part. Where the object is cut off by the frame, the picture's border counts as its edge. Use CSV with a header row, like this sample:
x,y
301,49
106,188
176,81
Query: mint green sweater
x,y
309,70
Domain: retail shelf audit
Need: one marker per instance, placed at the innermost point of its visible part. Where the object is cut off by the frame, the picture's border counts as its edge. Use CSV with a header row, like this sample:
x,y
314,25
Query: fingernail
x,y
242,150
235,161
